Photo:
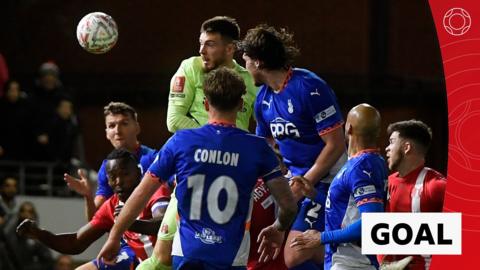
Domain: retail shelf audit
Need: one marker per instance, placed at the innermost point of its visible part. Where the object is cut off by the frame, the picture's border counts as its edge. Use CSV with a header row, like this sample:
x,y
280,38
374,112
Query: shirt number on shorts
x,y
197,184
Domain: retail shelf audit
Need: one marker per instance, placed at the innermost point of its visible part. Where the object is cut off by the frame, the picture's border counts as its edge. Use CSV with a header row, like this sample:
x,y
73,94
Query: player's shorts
x,y
169,222
182,263
311,215
126,260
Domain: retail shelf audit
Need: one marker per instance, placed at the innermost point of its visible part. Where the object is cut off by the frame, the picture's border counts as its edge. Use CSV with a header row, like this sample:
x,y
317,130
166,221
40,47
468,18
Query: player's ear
x,y
231,47
407,147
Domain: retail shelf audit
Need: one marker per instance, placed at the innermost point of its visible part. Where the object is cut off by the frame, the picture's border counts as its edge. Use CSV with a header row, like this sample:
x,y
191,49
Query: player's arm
x,y
348,234
287,208
83,186
133,206
180,100
67,243
150,227
334,148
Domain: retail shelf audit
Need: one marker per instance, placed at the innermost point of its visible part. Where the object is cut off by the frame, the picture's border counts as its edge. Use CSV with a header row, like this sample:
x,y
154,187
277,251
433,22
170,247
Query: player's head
x,y
27,211
64,262
12,90
65,108
123,172
121,125
364,123
8,188
223,89
407,138
217,41
49,76
266,48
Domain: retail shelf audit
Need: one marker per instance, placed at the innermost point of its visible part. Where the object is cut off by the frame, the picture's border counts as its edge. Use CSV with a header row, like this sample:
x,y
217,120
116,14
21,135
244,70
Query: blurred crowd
x,y
38,124
17,252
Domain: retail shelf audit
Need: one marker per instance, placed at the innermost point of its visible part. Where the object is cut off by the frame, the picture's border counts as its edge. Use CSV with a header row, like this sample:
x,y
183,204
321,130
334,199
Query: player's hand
x,y
28,228
306,240
108,253
396,265
301,184
271,240
80,185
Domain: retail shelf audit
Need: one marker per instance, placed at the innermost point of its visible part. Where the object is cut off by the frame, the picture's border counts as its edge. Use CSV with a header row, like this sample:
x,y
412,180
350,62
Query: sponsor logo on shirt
x,y
208,236
290,106
325,114
173,95
164,228
370,189
281,128
178,84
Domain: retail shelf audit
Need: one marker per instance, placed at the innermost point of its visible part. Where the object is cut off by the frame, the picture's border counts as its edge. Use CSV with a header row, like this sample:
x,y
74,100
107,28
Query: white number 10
x,y
197,182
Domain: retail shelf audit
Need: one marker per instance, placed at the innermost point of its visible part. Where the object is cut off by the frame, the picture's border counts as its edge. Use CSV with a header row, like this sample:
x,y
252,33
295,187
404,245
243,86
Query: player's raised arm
x,y
180,101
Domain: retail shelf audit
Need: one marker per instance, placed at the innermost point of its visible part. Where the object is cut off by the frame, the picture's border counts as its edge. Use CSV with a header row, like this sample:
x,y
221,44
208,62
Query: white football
x,y
97,32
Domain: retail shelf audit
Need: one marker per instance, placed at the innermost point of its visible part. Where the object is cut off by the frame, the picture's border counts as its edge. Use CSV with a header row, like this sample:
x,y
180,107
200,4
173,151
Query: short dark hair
x,y
414,130
224,89
226,26
275,48
124,154
119,108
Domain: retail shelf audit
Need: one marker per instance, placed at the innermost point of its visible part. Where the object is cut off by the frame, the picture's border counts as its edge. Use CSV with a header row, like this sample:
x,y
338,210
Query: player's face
x,y
122,130
123,177
27,211
394,151
252,67
213,50
9,188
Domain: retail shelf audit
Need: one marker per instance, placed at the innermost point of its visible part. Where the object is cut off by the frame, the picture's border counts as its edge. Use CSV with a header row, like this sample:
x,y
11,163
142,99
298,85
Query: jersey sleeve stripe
x,y
330,129
369,200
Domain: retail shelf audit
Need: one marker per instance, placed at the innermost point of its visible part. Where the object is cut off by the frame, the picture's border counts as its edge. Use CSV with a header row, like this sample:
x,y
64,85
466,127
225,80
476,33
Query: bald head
x,y
364,121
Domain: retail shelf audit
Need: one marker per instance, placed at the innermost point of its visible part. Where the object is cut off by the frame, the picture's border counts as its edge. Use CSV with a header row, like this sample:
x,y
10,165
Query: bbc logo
x,y
412,233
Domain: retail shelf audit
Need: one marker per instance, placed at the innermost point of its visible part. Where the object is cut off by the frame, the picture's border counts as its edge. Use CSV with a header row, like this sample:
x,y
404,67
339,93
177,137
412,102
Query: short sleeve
x,y
365,186
262,128
103,188
163,167
324,108
103,218
269,168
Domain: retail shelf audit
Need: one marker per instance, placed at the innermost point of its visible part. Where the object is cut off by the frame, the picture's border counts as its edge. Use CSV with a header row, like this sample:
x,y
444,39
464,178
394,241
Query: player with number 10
x,y
217,167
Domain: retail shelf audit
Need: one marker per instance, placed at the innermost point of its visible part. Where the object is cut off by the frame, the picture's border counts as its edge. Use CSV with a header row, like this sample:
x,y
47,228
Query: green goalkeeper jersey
x,y
185,103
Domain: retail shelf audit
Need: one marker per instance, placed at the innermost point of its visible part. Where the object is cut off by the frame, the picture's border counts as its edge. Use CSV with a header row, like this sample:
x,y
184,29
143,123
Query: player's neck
x,y
222,117
133,147
276,79
409,164
228,63
356,146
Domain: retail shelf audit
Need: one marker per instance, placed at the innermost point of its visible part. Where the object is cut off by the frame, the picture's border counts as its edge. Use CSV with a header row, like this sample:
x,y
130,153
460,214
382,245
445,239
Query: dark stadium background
x,y
384,53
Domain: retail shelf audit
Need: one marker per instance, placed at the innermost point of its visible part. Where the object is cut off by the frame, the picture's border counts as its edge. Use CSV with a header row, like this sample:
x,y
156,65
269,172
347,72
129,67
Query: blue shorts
x,y
311,215
126,260
182,263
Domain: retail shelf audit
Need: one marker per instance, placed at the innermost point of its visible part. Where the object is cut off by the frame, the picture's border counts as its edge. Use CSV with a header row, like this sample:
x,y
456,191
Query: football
x,y
97,32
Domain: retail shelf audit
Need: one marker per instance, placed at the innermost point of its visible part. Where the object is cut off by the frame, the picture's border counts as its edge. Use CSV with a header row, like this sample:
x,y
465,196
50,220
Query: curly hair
x,y
274,48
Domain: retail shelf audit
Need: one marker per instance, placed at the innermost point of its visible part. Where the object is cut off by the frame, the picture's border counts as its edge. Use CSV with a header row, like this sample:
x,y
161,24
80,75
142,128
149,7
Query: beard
x,y
213,64
393,164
